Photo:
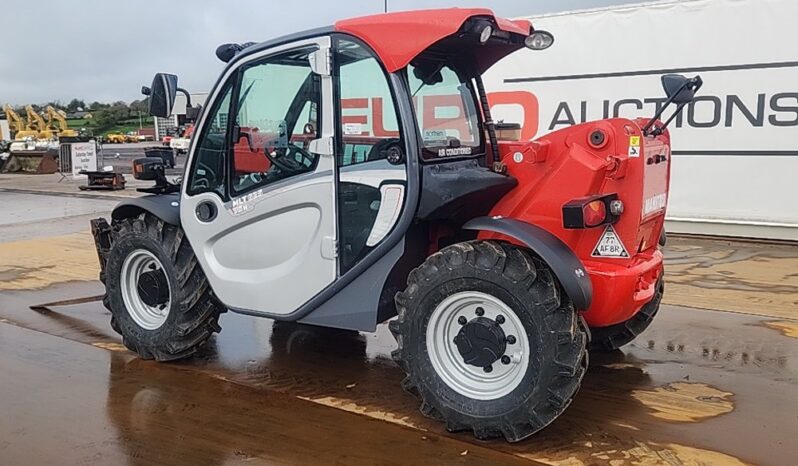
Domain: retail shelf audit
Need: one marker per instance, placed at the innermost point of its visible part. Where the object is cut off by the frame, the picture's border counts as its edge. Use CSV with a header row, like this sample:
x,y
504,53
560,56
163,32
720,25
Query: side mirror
x,y
162,94
680,89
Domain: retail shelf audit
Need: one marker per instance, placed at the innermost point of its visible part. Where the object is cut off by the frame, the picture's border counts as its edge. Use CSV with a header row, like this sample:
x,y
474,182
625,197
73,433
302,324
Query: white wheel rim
x,y
466,379
135,264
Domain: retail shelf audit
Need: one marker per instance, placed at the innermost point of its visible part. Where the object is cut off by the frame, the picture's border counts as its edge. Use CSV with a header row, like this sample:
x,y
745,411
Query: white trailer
x,y
735,150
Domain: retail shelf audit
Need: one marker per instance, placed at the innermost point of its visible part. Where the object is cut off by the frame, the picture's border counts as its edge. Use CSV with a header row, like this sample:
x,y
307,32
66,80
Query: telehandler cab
x,y
346,175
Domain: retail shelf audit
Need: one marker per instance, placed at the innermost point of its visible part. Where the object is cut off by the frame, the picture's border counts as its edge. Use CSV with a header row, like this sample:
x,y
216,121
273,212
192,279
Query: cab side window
x,y
368,184
368,115
209,167
277,117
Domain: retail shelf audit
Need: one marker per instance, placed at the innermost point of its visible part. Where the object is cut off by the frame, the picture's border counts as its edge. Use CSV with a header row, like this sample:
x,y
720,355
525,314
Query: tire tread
x,y
198,309
570,353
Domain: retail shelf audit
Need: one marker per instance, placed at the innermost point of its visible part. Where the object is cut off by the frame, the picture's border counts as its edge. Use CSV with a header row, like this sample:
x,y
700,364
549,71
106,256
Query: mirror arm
x,y
647,128
659,130
693,84
185,93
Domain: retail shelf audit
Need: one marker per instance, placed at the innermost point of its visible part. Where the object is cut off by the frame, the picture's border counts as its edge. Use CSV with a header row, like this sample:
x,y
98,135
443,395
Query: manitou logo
x,y
654,203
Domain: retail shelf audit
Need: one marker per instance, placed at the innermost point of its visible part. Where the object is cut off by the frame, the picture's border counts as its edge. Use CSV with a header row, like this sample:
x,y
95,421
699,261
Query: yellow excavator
x,y
34,149
37,123
19,130
62,130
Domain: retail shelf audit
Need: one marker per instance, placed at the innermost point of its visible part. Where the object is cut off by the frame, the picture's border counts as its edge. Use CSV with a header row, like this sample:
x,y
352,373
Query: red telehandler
x,y
346,175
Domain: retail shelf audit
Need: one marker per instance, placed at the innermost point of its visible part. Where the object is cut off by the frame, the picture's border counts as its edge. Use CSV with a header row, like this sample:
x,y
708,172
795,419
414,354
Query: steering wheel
x,y
205,180
285,158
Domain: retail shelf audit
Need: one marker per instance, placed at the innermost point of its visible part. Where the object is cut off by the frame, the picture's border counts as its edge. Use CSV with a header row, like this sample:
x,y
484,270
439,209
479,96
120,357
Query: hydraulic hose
x,y
490,126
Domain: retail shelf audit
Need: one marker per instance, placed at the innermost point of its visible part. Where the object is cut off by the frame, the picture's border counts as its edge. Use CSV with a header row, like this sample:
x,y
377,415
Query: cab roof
x,y
397,38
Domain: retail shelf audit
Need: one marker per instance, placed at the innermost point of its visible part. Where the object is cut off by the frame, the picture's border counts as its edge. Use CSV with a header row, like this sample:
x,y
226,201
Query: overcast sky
x,y
105,50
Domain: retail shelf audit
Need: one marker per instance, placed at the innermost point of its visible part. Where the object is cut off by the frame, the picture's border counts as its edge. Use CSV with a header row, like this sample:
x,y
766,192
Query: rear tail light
x,y
590,212
137,169
594,213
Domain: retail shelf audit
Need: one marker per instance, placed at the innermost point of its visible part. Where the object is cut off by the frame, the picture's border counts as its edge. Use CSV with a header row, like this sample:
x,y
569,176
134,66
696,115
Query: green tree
x,y
112,114
75,104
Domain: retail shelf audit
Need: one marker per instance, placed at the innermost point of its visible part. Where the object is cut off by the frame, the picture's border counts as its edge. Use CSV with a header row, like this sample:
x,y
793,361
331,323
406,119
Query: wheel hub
x,y
481,342
153,288
145,289
478,345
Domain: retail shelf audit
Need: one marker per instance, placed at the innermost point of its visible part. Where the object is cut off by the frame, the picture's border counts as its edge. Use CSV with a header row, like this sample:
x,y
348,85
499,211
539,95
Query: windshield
x,y
446,111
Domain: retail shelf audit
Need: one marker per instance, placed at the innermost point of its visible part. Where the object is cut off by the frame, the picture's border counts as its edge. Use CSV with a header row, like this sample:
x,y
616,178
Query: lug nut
x,y
499,319
505,359
488,369
480,311
462,320
510,339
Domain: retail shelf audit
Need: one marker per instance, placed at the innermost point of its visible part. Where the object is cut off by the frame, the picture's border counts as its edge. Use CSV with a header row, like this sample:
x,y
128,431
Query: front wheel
x,y
159,298
489,341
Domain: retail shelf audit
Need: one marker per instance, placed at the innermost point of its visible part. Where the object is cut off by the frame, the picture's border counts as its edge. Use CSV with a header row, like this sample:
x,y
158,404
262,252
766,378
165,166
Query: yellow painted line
x,y
642,453
110,346
788,329
39,263
685,402
352,407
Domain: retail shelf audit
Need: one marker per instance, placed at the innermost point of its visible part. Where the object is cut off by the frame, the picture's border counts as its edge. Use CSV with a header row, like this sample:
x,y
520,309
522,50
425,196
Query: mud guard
x,y
563,262
164,206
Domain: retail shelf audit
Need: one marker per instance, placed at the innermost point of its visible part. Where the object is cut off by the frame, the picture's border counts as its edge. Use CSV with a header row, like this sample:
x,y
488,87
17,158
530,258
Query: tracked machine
x,y
352,175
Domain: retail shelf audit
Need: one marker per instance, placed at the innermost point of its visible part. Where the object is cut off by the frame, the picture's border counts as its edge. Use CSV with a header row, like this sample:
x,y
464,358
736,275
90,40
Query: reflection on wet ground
x,y
99,407
699,387
750,277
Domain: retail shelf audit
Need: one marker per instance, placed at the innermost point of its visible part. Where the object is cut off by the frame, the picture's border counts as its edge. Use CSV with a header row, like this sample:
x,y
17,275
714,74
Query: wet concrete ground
x,y
702,386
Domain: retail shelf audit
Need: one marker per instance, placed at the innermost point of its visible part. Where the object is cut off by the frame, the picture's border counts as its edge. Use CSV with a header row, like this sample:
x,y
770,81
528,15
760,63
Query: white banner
x,y
84,157
735,148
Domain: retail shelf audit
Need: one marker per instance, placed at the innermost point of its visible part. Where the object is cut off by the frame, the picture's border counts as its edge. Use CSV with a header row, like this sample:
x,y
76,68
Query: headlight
x,y
485,34
539,40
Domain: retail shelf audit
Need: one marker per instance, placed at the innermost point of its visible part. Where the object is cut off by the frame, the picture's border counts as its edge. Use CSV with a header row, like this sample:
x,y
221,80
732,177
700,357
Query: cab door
x,y
258,202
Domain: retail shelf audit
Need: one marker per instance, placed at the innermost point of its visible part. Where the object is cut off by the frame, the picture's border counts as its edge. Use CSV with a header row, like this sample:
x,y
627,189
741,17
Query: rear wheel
x,y
159,298
606,339
488,340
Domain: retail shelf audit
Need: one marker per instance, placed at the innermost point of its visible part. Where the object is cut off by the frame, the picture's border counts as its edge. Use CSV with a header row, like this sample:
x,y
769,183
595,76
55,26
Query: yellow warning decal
x,y
634,146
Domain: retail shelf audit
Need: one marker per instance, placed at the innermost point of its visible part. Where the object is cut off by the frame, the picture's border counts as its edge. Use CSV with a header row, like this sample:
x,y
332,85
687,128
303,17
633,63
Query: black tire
x,y
557,336
607,339
193,312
